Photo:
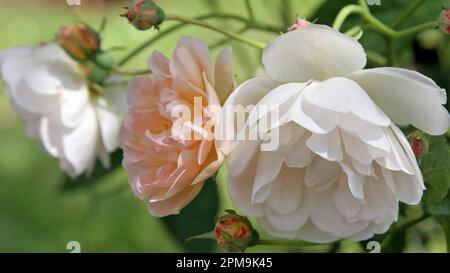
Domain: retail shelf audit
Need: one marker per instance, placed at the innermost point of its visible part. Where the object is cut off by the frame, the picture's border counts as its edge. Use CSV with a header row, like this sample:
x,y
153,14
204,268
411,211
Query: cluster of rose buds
x,y
144,14
235,233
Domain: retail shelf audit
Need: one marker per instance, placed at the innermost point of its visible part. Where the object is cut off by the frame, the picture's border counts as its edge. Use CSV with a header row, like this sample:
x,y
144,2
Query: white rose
x,y
49,91
341,165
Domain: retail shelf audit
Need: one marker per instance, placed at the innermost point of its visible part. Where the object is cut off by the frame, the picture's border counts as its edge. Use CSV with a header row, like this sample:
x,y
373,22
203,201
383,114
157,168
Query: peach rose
x,y
169,154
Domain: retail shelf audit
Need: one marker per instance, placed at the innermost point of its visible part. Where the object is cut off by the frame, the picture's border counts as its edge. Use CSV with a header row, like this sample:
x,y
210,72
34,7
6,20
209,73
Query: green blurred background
x,y
38,215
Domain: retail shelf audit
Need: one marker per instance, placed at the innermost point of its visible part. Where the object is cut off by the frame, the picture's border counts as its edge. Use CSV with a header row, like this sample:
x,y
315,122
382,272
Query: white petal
x,y
251,92
345,202
326,216
321,173
298,115
73,105
286,191
109,128
269,167
240,187
397,159
371,134
13,63
356,148
31,101
345,96
241,156
410,154
42,80
355,180
80,146
407,97
49,135
291,221
267,226
309,232
327,146
298,154
312,52
282,97
245,97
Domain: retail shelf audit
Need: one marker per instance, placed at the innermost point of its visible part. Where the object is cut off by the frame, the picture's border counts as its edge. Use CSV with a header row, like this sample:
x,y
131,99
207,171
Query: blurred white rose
x,y
50,92
341,165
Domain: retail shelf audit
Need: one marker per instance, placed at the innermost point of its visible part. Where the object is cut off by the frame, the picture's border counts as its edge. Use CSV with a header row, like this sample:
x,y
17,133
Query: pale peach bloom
x,y
166,165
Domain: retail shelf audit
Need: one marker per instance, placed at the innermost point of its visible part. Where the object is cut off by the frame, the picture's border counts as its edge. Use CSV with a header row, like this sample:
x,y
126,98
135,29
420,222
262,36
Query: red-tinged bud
x,y
300,24
419,143
80,41
144,14
444,20
235,233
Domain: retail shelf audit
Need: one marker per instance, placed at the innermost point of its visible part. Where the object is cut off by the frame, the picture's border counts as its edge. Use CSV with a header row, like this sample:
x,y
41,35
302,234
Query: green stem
x,y
148,43
345,13
119,71
233,35
391,52
401,228
363,4
251,24
410,11
376,58
249,8
226,40
417,28
377,24
353,31
286,243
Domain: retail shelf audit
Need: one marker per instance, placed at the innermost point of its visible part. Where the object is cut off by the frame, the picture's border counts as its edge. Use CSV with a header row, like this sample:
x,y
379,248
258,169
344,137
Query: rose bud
x,y
80,41
444,20
300,23
235,233
419,143
144,14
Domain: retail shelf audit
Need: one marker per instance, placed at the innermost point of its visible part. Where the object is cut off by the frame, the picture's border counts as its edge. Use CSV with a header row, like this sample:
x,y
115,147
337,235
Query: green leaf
x,y
435,166
197,218
97,174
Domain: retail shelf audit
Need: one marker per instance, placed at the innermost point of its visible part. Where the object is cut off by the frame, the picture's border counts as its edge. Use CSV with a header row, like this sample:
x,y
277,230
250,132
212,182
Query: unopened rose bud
x,y
444,20
235,233
144,14
80,41
300,23
419,144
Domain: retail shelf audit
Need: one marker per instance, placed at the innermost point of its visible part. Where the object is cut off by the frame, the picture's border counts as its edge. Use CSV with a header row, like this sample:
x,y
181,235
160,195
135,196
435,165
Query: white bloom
x,y
342,165
49,91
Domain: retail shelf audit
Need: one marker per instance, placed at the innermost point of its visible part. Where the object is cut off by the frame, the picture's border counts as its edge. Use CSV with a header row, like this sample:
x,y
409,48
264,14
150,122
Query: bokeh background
x,y
41,212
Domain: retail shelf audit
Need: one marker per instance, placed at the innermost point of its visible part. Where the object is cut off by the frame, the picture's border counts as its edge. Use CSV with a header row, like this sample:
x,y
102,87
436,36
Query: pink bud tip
x,y
300,23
